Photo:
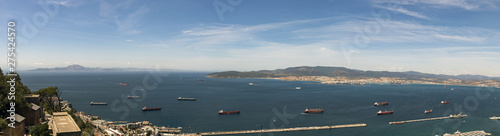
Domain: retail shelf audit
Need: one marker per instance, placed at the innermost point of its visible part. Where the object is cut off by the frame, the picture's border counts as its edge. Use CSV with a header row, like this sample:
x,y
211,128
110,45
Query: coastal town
x,y
342,75
70,122
388,80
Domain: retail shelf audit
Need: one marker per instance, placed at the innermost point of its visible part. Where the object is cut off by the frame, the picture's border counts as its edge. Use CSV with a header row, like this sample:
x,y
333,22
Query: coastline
x,y
106,127
361,81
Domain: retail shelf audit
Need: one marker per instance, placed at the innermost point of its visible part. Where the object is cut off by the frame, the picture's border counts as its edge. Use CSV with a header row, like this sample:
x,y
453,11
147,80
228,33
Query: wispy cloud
x,y
119,13
406,12
127,25
463,4
67,3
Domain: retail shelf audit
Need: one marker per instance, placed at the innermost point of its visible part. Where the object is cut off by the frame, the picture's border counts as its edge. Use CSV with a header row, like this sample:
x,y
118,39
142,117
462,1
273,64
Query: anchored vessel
x,y
494,118
134,97
250,83
98,103
384,112
123,84
186,99
428,111
148,109
445,102
229,112
380,103
298,88
313,110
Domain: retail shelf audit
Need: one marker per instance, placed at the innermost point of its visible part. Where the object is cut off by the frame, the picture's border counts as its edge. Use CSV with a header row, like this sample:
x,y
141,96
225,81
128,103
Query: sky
x,y
432,36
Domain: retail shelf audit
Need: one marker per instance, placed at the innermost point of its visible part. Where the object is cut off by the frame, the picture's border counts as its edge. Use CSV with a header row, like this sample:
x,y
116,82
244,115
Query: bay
x,y
270,103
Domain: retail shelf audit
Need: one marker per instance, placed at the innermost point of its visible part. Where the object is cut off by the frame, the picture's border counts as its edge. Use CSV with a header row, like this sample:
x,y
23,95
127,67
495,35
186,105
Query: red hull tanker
x,y
229,112
385,112
445,102
148,109
313,111
380,103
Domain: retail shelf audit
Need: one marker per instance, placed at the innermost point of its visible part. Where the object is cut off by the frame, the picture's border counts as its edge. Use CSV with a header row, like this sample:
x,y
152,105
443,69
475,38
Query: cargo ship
x,y
494,118
428,111
313,110
123,84
445,102
186,99
229,112
134,97
384,112
98,103
380,103
149,109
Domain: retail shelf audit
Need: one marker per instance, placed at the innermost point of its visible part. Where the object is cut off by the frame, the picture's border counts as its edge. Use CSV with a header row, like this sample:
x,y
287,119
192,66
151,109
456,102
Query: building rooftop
x,y
34,106
31,95
64,123
19,118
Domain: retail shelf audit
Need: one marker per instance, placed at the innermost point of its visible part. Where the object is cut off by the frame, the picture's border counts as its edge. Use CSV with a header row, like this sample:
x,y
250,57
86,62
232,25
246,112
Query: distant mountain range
x,y
79,68
342,72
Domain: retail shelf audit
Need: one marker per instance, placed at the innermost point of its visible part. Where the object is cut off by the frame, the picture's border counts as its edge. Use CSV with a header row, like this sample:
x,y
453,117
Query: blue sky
x,y
442,37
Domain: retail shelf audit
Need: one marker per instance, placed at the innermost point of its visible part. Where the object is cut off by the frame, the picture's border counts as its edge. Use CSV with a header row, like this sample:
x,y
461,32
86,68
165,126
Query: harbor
x,y
427,119
275,130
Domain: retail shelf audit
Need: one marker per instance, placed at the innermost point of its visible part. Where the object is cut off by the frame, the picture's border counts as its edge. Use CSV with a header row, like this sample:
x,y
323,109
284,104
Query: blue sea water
x,y
271,103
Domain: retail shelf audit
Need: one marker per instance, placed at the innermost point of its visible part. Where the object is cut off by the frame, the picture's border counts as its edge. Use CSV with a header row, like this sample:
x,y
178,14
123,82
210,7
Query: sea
x,y
272,103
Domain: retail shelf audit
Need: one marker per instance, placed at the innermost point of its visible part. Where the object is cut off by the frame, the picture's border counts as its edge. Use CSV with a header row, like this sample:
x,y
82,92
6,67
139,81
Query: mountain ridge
x,y
342,72
79,68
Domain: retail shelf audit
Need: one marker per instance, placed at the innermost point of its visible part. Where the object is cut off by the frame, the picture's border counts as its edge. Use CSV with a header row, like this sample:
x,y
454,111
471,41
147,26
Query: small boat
x,y
250,83
134,97
229,112
123,84
384,112
428,111
494,118
452,89
149,109
186,99
445,102
98,103
200,80
380,103
313,110
445,86
298,88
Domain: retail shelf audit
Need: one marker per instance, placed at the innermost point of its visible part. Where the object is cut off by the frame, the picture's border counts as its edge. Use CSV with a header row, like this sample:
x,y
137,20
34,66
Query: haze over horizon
x,y
450,37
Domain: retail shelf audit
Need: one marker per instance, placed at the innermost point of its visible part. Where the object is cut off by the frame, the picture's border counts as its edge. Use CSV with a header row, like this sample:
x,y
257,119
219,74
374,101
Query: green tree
x,y
50,97
3,124
20,91
40,130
